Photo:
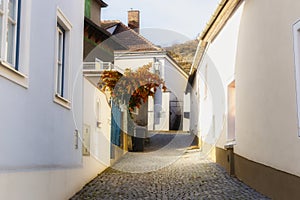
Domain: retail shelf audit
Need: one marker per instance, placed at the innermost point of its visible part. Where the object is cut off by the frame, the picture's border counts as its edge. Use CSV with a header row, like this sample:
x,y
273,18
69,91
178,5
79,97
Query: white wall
x,y
214,73
150,113
176,84
131,62
38,155
187,110
194,104
35,131
99,136
161,111
48,184
266,114
266,107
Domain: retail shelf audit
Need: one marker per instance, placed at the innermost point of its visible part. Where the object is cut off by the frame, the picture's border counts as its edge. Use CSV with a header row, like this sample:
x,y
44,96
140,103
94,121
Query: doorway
x,y
175,109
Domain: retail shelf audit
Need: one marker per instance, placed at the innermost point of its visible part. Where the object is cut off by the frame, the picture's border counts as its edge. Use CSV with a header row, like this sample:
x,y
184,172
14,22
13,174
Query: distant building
x,y
168,110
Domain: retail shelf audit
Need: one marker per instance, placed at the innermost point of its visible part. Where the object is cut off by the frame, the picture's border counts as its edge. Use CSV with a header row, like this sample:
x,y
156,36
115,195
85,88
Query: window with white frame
x,y
296,32
10,32
63,28
205,81
60,63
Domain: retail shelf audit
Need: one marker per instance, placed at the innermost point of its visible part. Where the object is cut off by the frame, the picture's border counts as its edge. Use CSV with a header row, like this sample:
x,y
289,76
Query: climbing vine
x,y
133,87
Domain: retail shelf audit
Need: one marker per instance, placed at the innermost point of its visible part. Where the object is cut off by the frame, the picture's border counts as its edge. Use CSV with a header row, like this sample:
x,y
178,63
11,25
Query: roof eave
x,y
221,15
223,12
213,19
102,3
103,31
98,28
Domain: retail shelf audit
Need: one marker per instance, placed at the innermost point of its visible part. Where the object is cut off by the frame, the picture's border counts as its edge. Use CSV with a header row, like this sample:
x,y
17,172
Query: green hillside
x,y
183,53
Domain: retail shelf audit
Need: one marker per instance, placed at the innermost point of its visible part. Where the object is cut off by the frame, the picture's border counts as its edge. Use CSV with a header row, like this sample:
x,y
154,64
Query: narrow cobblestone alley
x,y
166,170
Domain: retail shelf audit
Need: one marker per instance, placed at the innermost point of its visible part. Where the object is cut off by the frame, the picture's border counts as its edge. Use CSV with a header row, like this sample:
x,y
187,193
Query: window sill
x,y
8,72
62,101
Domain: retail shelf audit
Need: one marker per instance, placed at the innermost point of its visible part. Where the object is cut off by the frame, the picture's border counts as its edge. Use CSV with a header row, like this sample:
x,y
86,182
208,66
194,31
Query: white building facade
x,y
211,87
97,120
42,105
245,91
167,110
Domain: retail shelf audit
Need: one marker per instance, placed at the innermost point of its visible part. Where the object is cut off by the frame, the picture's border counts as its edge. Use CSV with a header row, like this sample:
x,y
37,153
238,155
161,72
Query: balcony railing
x,y
99,66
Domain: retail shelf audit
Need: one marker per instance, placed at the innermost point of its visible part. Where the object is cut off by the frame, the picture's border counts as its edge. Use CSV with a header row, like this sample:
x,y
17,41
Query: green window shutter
x,y
87,11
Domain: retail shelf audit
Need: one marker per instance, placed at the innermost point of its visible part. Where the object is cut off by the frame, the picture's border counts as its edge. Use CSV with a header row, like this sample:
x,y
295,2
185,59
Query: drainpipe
x,y
230,158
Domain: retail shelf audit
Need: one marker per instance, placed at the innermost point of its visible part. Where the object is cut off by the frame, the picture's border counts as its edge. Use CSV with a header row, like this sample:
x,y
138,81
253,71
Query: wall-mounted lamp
x,y
156,66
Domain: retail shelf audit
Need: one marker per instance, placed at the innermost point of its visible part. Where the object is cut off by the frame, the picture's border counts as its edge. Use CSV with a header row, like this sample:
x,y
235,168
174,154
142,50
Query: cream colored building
x,y
245,90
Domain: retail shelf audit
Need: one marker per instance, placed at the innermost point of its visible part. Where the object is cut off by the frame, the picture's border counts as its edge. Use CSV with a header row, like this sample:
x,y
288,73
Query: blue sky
x,y
164,22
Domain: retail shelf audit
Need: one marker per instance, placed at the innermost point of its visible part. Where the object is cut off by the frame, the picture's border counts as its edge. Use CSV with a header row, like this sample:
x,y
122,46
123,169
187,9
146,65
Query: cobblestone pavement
x,y
180,174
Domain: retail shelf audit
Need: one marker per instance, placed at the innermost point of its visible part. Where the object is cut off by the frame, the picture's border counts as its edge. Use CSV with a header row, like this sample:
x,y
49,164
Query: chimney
x,y
134,20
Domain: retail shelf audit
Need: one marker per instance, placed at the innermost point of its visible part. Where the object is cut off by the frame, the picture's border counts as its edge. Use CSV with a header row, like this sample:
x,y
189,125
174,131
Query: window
x,y
61,42
63,28
10,26
231,101
296,32
205,82
10,32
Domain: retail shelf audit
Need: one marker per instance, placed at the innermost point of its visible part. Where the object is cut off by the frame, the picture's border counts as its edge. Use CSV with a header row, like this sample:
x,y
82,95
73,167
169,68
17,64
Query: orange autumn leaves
x,y
133,87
